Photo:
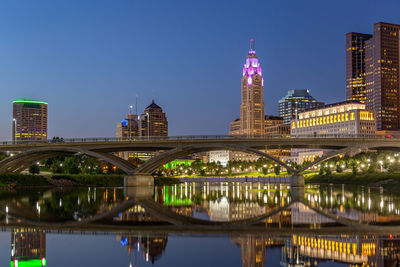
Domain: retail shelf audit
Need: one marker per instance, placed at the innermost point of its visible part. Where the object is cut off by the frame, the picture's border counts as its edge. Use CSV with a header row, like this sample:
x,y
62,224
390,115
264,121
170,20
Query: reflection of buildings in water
x,y
254,249
222,210
28,246
151,247
301,214
309,250
136,213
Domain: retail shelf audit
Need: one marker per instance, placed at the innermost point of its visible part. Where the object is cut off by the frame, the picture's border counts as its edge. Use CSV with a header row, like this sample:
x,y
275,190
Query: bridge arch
x,y
153,164
23,160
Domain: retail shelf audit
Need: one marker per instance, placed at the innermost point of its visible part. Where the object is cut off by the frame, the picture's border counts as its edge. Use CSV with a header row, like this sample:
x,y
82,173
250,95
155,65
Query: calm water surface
x,y
200,224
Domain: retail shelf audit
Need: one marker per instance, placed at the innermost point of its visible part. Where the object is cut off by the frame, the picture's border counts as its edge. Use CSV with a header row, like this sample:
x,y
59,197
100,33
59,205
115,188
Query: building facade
x,y
128,127
29,120
251,122
297,99
343,118
377,58
356,47
153,121
221,156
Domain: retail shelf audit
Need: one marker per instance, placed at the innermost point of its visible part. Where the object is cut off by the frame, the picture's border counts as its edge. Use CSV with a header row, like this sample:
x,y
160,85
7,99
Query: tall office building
x,y
153,121
297,99
382,78
356,46
29,120
128,127
252,108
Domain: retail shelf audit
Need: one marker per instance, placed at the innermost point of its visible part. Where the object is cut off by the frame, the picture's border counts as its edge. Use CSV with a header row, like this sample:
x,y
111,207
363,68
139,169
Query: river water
x,y
200,224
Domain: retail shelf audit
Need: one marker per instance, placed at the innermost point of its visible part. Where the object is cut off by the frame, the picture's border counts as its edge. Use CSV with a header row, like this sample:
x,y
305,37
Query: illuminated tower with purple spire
x,y
252,107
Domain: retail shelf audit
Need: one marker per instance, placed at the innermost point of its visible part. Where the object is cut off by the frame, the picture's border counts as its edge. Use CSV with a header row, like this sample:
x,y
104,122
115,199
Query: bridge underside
x,y
138,176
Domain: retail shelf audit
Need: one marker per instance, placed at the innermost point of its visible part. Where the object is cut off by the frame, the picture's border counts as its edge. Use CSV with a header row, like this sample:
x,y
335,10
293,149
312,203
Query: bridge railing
x,y
194,137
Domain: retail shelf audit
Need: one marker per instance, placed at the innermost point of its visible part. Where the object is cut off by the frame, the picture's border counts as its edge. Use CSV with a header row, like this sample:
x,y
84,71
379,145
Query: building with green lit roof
x,y
29,120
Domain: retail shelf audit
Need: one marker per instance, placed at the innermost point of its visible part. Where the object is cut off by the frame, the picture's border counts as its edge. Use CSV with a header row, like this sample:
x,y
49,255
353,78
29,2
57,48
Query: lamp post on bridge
x,y
148,124
14,129
130,122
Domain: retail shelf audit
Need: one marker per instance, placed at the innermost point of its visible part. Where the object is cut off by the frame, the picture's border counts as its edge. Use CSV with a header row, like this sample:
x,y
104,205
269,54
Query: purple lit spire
x,y
252,65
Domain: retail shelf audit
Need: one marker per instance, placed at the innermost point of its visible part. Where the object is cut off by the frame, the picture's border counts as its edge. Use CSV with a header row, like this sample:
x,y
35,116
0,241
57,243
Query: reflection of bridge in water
x,y
302,223
300,248
176,147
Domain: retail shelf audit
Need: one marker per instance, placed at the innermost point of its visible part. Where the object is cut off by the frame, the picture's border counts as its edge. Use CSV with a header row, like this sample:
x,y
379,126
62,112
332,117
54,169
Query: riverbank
x,y
57,180
389,181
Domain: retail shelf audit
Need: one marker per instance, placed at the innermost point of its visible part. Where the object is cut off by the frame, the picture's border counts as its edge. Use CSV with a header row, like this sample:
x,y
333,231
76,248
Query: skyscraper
x,y
382,78
153,121
252,108
356,44
297,99
128,127
29,120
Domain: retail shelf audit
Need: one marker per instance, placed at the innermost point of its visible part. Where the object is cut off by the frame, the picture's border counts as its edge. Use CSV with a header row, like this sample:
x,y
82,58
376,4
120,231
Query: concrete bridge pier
x,y
297,180
297,193
138,193
138,179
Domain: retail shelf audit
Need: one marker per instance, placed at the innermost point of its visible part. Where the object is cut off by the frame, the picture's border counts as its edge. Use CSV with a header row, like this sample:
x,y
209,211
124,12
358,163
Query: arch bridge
x,y
25,154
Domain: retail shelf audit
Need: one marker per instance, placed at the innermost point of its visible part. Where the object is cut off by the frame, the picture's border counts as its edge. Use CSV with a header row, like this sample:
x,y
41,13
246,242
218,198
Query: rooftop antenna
x,y
252,44
136,103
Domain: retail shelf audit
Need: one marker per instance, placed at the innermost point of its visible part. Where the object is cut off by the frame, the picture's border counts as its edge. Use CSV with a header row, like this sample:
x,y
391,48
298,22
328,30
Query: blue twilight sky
x,y
89,59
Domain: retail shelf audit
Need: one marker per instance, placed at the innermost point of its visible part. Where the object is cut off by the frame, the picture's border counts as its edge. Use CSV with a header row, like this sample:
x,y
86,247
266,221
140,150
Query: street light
x,y
14,129
129,121
148,123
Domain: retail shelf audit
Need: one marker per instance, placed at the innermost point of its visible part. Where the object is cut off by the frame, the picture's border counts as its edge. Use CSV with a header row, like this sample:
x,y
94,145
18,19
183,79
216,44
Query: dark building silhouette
x,y
372,66
356,66
153,121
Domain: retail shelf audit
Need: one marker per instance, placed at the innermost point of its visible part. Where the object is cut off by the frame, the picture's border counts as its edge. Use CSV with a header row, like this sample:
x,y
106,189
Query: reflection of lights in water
x,y
265,199
381,205
369,203
60,202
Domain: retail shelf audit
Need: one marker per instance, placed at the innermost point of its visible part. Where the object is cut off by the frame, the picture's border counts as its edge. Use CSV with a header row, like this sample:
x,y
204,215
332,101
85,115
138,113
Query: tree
x,y
328,170
34,169
56,166
265,170
372,168
339,168
71,165
321,170
354,169
277,169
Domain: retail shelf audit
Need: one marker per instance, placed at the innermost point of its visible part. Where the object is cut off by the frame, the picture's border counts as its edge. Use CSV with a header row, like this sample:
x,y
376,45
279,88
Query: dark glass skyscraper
x,y
355,66
377,59
299,99
153,121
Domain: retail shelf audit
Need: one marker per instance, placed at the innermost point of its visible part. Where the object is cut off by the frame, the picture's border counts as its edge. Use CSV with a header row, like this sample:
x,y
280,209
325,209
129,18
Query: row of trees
x,y
79,164
262,166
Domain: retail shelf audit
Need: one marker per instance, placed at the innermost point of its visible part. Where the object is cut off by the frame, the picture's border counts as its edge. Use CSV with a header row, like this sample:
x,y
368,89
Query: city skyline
x,y
81,64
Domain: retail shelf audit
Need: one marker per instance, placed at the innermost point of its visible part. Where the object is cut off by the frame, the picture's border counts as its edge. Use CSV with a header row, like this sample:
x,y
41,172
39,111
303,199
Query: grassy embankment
x,y
390,181
26,180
